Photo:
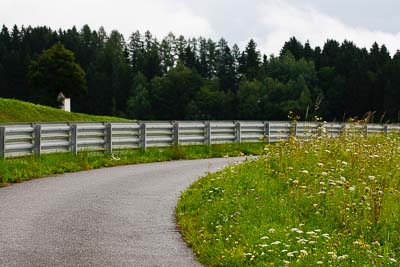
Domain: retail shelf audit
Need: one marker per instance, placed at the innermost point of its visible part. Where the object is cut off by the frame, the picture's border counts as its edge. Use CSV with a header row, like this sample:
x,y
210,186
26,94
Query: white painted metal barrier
x,y
36,139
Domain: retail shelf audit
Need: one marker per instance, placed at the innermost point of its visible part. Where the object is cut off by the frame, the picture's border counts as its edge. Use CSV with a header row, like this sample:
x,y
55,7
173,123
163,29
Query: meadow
x,y
322,202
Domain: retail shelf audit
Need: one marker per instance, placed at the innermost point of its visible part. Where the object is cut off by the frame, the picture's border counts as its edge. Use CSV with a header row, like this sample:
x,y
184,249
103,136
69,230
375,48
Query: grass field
x,y
18,111
26,168
327,202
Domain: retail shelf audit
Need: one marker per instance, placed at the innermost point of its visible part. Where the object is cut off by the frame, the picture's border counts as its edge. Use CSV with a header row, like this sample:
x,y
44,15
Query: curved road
x,y
121,216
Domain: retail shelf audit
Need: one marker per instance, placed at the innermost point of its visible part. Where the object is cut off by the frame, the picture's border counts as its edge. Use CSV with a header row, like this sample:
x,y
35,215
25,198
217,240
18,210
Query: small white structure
x,y
65,103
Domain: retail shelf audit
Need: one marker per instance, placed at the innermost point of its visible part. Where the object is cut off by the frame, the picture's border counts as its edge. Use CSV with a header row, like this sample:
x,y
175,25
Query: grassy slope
x,y
329,202
18,111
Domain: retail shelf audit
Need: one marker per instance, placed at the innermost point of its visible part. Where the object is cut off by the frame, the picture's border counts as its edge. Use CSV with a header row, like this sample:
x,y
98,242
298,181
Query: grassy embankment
x,y
12,111
328,202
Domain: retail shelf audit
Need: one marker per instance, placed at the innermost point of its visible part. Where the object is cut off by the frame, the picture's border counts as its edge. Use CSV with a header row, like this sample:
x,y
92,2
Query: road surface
x,y
121,216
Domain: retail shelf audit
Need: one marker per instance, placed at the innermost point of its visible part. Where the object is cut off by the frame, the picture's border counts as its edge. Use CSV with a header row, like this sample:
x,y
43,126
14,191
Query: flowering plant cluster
x,y
316,202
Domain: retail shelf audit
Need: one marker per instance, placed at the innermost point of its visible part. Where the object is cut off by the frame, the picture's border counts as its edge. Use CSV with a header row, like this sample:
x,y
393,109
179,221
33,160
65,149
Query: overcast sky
x,y
269,22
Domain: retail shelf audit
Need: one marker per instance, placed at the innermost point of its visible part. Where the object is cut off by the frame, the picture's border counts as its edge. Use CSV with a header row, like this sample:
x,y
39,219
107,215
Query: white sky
x,y
269,22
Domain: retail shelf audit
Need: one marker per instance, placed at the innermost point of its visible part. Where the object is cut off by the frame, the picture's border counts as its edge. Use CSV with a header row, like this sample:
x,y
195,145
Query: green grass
x,y
18,111
327,202
22,169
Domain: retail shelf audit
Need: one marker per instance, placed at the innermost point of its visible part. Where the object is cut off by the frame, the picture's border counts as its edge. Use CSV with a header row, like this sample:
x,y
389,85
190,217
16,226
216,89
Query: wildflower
x,y
276,243
311,233
272,230
344,163
320,262
290,254
343,257
305,172
392,260
296,230
303,253
264,237
302,241
263,245
326,236
332,254
320,164
371,177
324,174
376,243
352,188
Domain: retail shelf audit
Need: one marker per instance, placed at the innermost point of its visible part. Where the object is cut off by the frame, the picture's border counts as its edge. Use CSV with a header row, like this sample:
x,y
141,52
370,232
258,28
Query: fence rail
x,y
36,139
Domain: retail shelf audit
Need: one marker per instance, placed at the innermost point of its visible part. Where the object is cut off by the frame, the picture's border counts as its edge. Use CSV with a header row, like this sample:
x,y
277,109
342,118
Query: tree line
x,y
197,78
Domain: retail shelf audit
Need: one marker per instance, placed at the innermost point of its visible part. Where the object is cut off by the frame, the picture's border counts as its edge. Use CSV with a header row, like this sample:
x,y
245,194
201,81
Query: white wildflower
x,y
296,230
290,254
302,241
303,253
343,257
326,236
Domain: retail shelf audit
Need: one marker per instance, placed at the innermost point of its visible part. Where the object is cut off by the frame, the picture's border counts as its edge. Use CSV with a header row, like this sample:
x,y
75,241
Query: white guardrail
x,y
36,139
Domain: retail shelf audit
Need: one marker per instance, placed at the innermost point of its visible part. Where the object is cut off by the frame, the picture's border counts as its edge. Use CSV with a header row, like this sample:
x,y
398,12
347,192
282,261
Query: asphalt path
x,y
121,216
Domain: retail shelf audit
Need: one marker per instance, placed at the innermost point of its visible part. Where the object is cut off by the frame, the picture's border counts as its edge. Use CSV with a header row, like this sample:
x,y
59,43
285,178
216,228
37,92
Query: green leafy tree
x,y
249,99
138,105
56,71
172,93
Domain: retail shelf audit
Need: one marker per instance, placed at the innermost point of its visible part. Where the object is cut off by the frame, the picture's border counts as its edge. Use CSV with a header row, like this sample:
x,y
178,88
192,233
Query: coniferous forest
x,y
197,78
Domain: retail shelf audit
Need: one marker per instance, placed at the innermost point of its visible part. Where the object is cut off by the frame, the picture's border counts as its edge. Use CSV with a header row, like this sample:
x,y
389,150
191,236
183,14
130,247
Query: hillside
x,y
18,111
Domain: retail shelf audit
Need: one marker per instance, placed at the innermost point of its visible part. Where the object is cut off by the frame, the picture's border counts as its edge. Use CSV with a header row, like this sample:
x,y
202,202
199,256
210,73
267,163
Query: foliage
x,y
327,202
183,76
53,72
